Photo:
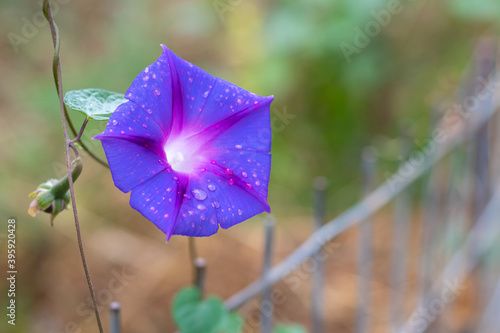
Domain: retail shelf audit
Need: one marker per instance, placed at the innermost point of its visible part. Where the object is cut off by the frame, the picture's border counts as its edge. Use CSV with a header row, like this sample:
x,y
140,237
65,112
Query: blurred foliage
x,y
287,48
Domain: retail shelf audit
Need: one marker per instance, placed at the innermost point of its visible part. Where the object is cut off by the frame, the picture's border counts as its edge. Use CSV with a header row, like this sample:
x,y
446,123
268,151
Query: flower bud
x,y
53,196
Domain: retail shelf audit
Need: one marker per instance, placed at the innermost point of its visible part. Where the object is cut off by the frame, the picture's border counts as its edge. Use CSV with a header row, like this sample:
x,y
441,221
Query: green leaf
x,y
289,329
96,104
194,315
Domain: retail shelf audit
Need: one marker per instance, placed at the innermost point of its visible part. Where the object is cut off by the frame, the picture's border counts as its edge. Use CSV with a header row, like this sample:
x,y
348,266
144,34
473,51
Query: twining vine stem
x,y
79,136
56,67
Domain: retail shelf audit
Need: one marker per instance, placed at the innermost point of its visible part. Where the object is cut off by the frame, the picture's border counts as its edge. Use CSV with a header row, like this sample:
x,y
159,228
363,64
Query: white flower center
x,y
180,156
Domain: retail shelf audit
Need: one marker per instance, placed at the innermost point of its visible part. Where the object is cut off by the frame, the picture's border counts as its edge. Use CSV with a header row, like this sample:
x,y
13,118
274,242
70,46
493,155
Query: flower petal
x,y
214,198
131,163
159,199
205,99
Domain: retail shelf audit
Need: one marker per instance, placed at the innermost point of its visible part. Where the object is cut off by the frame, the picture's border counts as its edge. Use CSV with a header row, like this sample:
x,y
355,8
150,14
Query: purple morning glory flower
x,y
192,148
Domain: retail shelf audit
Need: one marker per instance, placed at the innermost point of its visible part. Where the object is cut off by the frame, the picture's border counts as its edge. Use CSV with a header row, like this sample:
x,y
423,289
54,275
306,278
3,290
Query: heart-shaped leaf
x,y
97,104
195,315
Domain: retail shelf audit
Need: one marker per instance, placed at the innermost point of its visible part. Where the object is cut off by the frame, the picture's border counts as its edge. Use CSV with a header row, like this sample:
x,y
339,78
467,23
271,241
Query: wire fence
x,y
457,222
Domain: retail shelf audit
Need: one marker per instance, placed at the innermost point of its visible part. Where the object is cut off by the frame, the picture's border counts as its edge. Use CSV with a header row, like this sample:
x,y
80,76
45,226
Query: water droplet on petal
x,y
239,100
145,78
165,216
157,92
202,217
211,187
160,161
240,212
149,110
238,147
153,76
115,122
250,186
231,181
130,129
169,189
257,183
190,80
213,221
254,175
144,125
244,174
129,95
201,207
146,70
192,225
187,196
191,213
228,171
205,94
199,194
215,204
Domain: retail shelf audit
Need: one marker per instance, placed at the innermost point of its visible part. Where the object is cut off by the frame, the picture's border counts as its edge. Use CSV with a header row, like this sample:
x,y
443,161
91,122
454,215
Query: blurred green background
x,y
292,49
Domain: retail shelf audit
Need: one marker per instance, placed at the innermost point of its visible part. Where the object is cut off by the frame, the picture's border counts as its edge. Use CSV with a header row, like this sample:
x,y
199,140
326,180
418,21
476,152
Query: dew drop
x,y
199,194
146,70
231,181
250,186
240,212
239,100
192,225
191,213
211,187
152,208
254,175
238,147
165,216
129,95
202,217
160,161
131,129
228,171
169,189
149,111
122,132
190,80
213,221
201,207
205,94
187,196
257,183
175,178
115,122
157,92
153,76
145,78
215,204
244,174
144,125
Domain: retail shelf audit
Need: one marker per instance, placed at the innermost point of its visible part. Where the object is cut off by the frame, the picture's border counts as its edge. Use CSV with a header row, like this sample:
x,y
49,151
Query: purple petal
x,y
204,99
131,163
159,199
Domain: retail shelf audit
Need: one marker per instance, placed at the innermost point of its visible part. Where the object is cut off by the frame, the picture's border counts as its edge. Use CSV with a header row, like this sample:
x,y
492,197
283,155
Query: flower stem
x,y
79,136
56,67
